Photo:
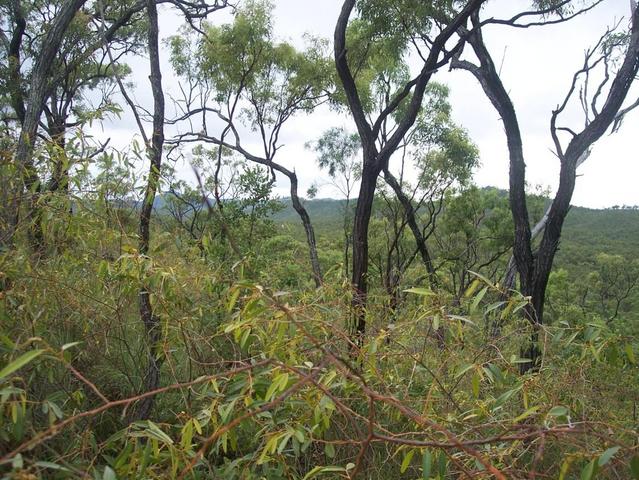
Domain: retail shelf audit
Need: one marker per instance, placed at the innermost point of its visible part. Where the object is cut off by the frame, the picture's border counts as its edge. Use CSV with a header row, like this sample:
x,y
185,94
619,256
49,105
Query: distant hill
x,y
325,211
589,231
586,231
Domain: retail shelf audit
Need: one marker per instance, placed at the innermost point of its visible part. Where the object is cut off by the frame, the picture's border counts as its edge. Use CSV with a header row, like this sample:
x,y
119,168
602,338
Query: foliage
x,y
259,375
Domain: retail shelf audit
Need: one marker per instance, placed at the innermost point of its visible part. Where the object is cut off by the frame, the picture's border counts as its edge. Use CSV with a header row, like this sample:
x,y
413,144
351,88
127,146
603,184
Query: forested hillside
x,y
164,314
587,231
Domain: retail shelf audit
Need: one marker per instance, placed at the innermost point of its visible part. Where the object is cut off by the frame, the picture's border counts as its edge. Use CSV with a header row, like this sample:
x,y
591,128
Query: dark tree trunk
x,y
308,229
359,277
150,320
15,78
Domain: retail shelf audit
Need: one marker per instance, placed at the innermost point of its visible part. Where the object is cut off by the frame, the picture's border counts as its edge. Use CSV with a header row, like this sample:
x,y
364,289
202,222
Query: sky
x,y
537,65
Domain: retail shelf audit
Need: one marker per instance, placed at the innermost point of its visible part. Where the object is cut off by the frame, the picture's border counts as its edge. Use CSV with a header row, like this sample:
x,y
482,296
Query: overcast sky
x,y
537,68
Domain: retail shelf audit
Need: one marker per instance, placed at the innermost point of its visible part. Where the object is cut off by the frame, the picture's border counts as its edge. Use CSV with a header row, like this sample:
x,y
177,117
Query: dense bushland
x,y
258,380
168,325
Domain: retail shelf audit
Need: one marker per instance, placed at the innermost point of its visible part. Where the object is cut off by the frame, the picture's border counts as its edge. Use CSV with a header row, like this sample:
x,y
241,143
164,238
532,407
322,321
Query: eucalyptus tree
x,y
48,72
435,160
613,282
382,35
246,191
245,86
615,61
29,109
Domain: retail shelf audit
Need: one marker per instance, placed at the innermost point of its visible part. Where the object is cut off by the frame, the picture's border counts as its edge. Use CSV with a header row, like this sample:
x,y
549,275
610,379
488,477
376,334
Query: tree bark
x,y
359,276
150,320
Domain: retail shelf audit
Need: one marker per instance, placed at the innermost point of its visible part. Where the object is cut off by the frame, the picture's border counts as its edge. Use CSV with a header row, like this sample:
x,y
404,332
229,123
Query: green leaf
x,y
329,449
234,296
442,465
634,467
284,442
475,380
589,471
481,277
607,455
462,319
630,353
17,462
463,370
279,384
420,291
66,346
526,414
51,466
558,411
472,288
20,362
564,469
406,462
427,462
478,299
109,474
151,430
320,469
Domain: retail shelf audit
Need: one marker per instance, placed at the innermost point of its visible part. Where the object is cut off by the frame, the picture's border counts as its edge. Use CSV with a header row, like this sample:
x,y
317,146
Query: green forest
x,y
167,312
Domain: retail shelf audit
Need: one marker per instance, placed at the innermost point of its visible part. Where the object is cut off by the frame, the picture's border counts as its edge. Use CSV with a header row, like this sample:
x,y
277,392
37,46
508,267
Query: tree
x,y
380,137
57,66
154,147
603,109
443,157
252,81
475,232
246,193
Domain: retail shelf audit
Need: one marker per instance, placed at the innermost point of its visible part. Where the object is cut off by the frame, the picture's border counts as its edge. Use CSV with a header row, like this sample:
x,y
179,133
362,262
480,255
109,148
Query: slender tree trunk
x,y
150,320
308,229
411,218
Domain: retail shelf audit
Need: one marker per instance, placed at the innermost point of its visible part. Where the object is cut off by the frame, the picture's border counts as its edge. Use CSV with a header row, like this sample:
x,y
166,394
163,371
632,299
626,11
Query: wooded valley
x,y
166,312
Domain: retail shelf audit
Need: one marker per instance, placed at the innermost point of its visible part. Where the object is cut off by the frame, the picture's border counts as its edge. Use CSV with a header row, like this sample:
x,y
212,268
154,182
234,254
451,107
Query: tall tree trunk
x,y
150,320
359,277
